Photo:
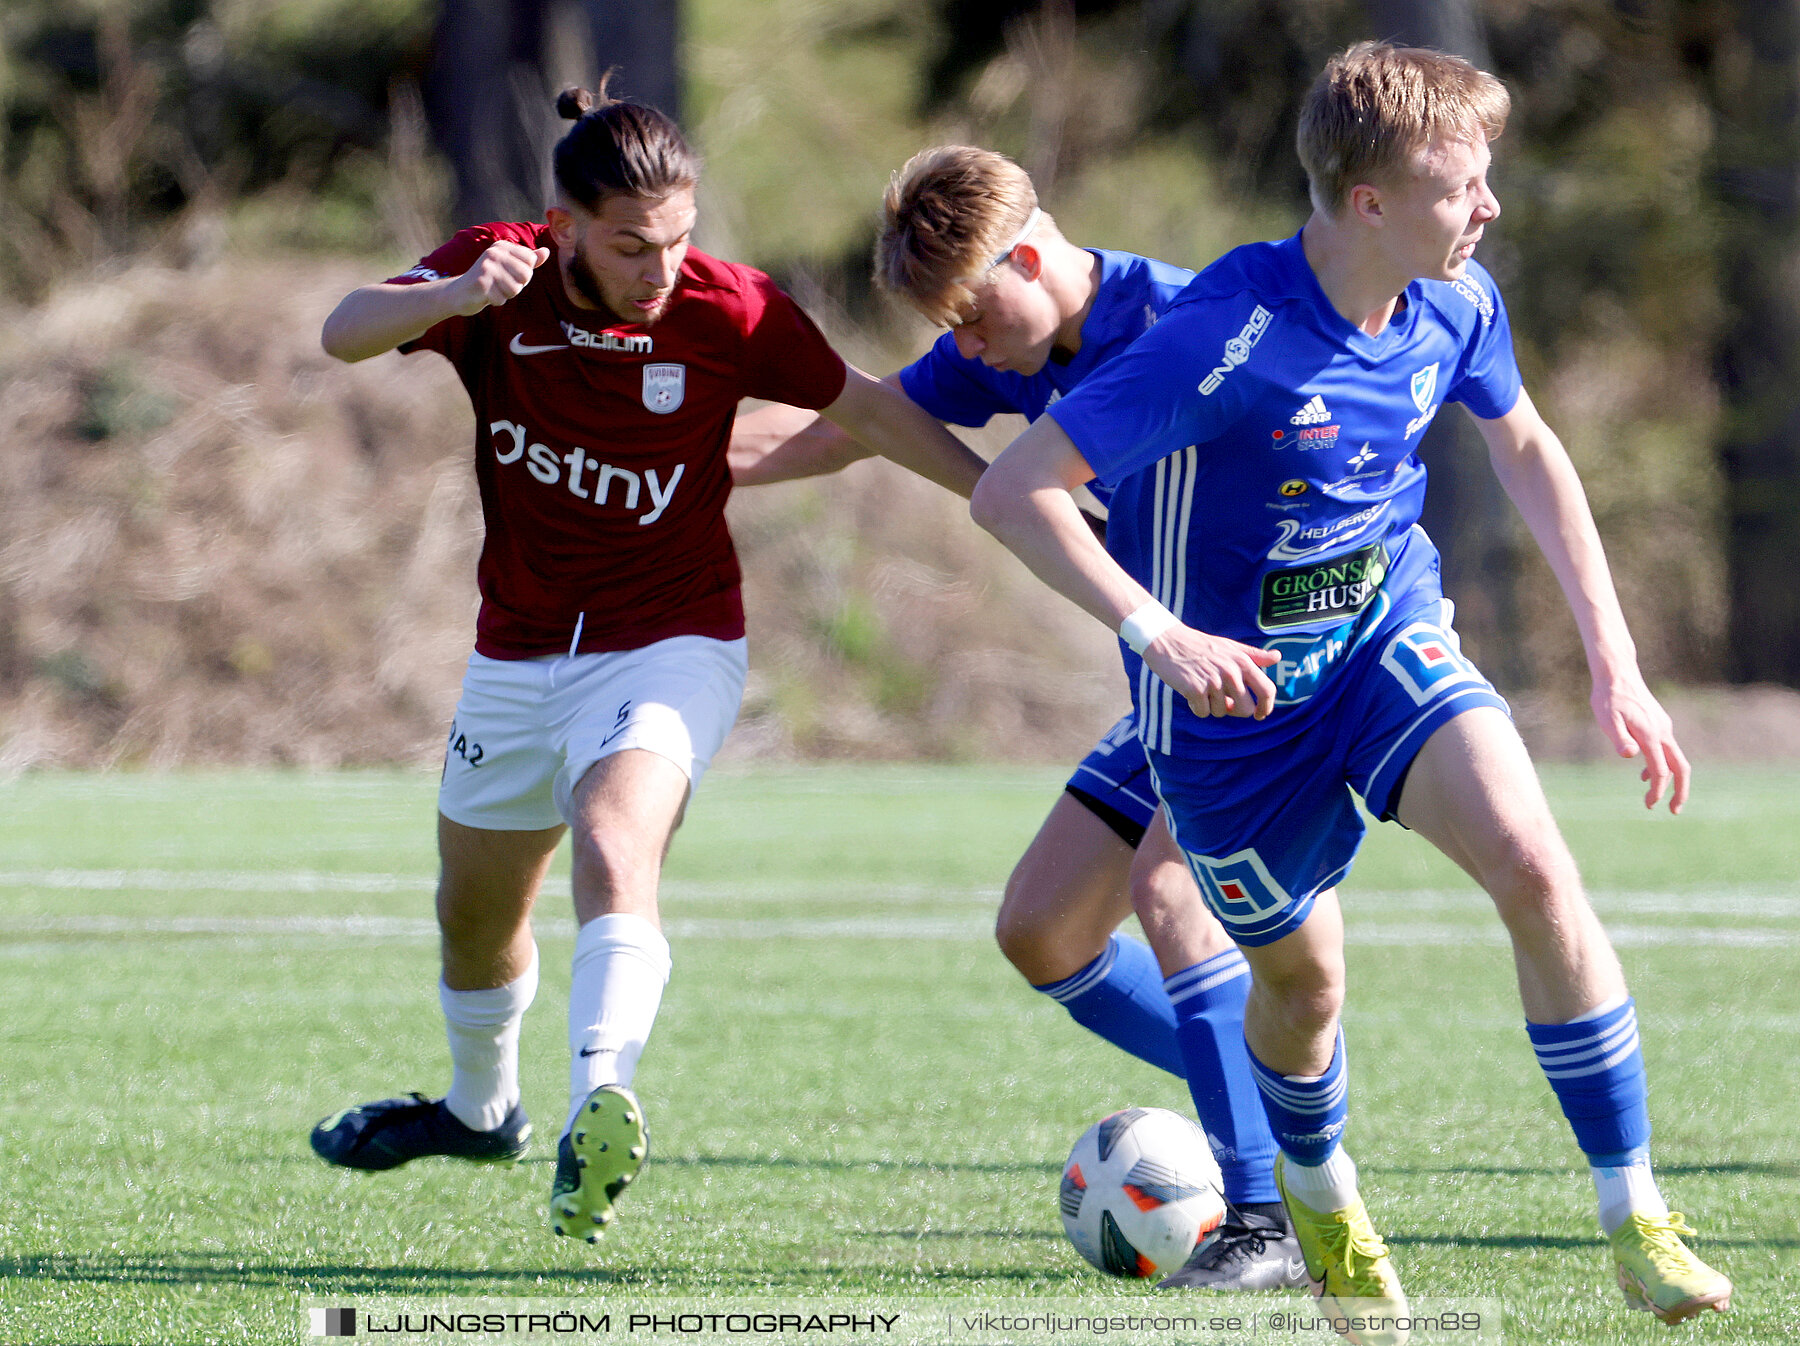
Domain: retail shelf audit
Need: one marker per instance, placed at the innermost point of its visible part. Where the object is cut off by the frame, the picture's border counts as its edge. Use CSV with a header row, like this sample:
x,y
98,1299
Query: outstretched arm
x,y
783,443
377,318
896,427
1536,473
1024,501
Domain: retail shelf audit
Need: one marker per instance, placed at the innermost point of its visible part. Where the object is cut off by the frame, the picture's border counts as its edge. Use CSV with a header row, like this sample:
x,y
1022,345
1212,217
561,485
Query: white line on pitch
x,y
413,929
1764,903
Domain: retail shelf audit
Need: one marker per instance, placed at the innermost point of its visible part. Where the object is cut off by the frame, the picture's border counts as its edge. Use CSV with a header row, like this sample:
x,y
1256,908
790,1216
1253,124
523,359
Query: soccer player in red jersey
x,y
605,359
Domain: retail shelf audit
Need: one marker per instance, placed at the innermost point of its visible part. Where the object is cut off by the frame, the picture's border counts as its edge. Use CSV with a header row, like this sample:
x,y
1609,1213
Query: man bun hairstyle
x,y
1377,105
948,213
618,148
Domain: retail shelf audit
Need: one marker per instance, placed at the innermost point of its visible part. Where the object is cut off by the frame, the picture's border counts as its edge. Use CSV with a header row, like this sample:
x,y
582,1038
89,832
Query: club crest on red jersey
x,y
664,387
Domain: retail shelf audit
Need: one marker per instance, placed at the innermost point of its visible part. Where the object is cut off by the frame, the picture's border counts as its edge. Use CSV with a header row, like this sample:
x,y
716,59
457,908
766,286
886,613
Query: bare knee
x,y
1176,920
1033,941
616,868
1533,882
1306,997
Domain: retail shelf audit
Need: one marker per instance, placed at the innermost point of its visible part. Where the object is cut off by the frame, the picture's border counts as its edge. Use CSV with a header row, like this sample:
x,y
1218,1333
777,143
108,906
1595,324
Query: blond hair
x,y
1377,105
949,213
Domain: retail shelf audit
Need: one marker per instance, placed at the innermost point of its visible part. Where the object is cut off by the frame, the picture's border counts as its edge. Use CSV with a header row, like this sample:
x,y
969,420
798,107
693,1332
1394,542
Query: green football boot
x,y
596,1162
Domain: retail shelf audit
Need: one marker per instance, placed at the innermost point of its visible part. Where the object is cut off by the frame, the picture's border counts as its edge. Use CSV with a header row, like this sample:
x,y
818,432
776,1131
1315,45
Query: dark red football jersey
x,y
600,446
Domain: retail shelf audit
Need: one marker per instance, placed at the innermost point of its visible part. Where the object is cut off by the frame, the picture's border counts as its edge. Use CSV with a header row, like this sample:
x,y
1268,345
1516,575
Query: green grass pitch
x,y
850,1091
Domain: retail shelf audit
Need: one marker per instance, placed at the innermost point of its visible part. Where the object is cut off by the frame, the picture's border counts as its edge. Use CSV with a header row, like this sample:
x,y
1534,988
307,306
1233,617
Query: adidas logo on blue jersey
x,y
1313,413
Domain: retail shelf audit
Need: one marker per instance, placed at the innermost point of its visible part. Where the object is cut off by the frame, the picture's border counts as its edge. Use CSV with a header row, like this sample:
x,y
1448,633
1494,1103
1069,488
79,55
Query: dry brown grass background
x,y
217,545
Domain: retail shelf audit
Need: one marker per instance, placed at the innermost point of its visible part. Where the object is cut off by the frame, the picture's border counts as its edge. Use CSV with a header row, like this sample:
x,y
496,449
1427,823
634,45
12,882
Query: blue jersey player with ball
x,y
1290,648
1032,316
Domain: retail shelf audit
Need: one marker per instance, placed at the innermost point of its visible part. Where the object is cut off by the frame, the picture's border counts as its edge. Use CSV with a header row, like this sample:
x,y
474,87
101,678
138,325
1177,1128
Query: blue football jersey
x,y
1134,292
1263,457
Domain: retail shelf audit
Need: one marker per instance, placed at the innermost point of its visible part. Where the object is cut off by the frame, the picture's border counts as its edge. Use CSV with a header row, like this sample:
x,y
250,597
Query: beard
x,y
587,281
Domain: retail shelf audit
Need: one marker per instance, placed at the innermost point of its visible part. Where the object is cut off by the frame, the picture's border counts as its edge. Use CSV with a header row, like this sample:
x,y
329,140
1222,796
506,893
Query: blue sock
x,y
1308,1117
1120,996
1209,1024
1596,1068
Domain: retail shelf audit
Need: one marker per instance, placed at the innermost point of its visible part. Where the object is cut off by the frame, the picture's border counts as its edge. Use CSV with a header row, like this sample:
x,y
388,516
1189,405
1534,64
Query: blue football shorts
x,y
1113,782
1266,832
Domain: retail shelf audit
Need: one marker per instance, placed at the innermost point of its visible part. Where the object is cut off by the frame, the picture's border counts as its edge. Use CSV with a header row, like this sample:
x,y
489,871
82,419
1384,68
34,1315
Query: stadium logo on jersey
x,y
1313,413
1238,349
664,387
1426,661
1297,542
638,344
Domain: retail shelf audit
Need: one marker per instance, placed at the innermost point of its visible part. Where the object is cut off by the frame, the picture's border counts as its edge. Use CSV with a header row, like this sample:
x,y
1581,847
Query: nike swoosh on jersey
x,y
519,348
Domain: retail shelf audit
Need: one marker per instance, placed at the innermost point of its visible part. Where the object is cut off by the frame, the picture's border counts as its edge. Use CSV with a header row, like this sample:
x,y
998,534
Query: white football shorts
x,y
527,730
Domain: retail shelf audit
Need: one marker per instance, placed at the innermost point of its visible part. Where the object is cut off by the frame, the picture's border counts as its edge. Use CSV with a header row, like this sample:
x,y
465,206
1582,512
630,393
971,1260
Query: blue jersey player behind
x,y
1288,643
1032,316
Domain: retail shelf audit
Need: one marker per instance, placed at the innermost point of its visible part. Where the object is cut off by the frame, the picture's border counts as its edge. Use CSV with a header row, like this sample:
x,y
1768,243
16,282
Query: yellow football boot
x,y
1348,1268
1658,1272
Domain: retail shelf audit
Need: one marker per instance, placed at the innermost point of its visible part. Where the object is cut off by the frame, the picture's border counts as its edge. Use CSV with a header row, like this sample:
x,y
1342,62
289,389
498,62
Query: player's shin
x,y
1596,1068
620,967
1208,1000
1120,996
483,1029
1307,1114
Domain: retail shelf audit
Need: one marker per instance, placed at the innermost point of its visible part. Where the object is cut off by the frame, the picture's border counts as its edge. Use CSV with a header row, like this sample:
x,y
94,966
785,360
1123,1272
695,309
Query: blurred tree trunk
x,y
1756,101
495,72
1466,512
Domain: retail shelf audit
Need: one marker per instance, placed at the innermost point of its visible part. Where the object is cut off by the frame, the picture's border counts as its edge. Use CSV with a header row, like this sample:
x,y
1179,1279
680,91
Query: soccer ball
x,y
1141,1188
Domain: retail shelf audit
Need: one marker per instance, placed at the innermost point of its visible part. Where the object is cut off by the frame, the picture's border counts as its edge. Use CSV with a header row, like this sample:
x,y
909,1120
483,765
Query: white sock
x,y
1627,1190
1601,1010
483,1028
1325,1187
621,966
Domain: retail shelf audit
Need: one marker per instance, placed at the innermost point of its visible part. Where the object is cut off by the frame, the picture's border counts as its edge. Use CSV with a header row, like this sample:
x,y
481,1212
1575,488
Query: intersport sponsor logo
x,y
586,477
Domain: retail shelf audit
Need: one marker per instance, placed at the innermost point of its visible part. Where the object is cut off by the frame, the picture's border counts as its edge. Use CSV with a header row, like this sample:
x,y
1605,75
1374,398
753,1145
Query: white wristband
x,y
1145,625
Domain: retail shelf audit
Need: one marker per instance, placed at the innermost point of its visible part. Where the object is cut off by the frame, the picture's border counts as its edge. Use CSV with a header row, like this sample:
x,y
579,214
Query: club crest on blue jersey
x,y
1424,384
1424,388
1427,662
664,387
